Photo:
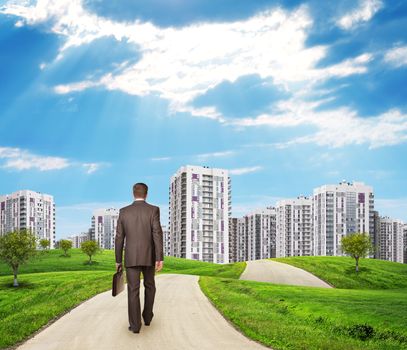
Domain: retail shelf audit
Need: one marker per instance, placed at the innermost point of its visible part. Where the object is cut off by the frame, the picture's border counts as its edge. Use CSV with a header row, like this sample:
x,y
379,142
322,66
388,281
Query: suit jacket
x,y
139,224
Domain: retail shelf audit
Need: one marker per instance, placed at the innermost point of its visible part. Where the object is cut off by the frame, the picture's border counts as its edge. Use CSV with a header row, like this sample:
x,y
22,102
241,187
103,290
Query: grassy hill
x,y
308,318
53,261
340,271
51,285
366,311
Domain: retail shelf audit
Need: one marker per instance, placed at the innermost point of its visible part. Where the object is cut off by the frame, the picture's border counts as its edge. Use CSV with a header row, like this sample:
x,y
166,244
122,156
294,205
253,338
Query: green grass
x,y
51,285
340,271
53,261
288,317
43,296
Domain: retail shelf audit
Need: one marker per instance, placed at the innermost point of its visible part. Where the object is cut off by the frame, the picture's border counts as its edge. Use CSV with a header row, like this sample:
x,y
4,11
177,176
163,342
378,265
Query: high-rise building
x,y
242,239
233,239
391,239
376,234
294,235
405,243
338,210
27,209
103,231
256,235
200,207
78,239
167,241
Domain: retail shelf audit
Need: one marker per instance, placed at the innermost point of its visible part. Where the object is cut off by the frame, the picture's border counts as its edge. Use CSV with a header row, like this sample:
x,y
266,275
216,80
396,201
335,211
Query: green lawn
x,y
105,261
51,284
287,317
340,271
43,296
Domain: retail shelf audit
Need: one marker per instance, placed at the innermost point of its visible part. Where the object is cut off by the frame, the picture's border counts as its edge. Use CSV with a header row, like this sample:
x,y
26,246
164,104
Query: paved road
x,y
183,319
272,271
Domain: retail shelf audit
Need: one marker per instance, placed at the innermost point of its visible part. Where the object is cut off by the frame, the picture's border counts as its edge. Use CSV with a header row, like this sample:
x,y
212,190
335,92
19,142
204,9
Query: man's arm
x,y
119,240
158,236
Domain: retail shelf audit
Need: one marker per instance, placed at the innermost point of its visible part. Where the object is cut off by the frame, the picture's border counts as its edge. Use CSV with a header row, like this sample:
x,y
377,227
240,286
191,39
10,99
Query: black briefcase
x,y
118,282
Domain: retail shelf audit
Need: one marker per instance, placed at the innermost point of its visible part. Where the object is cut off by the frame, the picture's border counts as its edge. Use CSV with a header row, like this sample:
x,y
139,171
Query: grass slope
x,y
52,261
288,317
340,271
51,285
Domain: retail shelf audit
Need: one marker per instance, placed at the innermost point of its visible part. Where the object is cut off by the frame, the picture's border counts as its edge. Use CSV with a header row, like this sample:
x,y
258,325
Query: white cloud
x,y
179,64
335,128
363,13
91,167
158,159
203,156
247,170
396,56
20,159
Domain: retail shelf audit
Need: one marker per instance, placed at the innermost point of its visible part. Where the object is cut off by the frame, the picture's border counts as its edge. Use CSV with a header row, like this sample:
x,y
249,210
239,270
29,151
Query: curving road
x,y
183,319
264,270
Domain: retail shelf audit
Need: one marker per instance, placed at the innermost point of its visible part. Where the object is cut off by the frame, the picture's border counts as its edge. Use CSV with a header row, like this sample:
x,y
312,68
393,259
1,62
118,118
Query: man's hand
x,y
159,265
119,266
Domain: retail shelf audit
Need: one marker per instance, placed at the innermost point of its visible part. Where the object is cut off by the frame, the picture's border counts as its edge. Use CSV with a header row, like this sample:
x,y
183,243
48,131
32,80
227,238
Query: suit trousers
x,y
133,294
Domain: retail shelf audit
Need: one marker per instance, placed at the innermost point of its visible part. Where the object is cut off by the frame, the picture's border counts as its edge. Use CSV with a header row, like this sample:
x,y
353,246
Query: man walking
x,y
139,224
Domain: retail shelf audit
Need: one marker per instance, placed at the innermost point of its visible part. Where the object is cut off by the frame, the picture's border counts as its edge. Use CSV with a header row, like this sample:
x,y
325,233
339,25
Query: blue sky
x,y
288,95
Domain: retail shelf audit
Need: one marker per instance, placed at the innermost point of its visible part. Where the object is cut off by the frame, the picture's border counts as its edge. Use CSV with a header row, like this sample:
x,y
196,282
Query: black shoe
x,y
131,329
148,323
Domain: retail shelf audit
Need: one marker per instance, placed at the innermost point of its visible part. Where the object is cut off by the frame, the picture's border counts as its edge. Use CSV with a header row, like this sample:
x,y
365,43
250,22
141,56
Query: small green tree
x,y
45,243
16,248
65,245
357,245
90,248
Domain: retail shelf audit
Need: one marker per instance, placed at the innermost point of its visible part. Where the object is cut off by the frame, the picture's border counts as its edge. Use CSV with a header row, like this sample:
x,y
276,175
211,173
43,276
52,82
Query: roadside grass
x,y
340,271
52,284
53,260
41,297
288,317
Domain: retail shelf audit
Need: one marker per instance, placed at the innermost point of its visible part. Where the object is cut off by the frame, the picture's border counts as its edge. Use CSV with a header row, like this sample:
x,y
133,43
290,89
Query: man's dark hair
x,y
140,190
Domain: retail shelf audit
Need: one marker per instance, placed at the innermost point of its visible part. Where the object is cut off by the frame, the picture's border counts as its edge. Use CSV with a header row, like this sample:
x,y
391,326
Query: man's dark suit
x,y
139,225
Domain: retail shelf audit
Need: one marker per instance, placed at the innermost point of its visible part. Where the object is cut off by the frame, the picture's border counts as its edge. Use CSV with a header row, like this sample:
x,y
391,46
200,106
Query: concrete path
x,y
272,271
183,319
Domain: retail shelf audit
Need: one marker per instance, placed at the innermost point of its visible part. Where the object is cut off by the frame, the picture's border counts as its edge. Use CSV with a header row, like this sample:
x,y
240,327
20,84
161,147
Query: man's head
x,y
140,190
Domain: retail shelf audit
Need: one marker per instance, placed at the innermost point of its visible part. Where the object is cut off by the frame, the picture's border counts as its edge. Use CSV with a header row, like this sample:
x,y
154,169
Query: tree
x,y
45,243
90,248
65,245
357,245
16,248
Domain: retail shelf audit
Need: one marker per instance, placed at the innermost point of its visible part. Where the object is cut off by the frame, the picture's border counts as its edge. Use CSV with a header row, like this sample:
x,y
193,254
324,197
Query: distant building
x,y
104,223
242,239
200,207
233,239
338,210
294,235
391,239
27,209
78,239
167,241
256,233
375,237
405,243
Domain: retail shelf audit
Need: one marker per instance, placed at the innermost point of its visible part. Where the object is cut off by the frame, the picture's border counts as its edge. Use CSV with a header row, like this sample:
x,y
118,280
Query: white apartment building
x,y
167,240
27,209
391,239
233,239
78,239
405,243
103,231
199,211
338,210
294,236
